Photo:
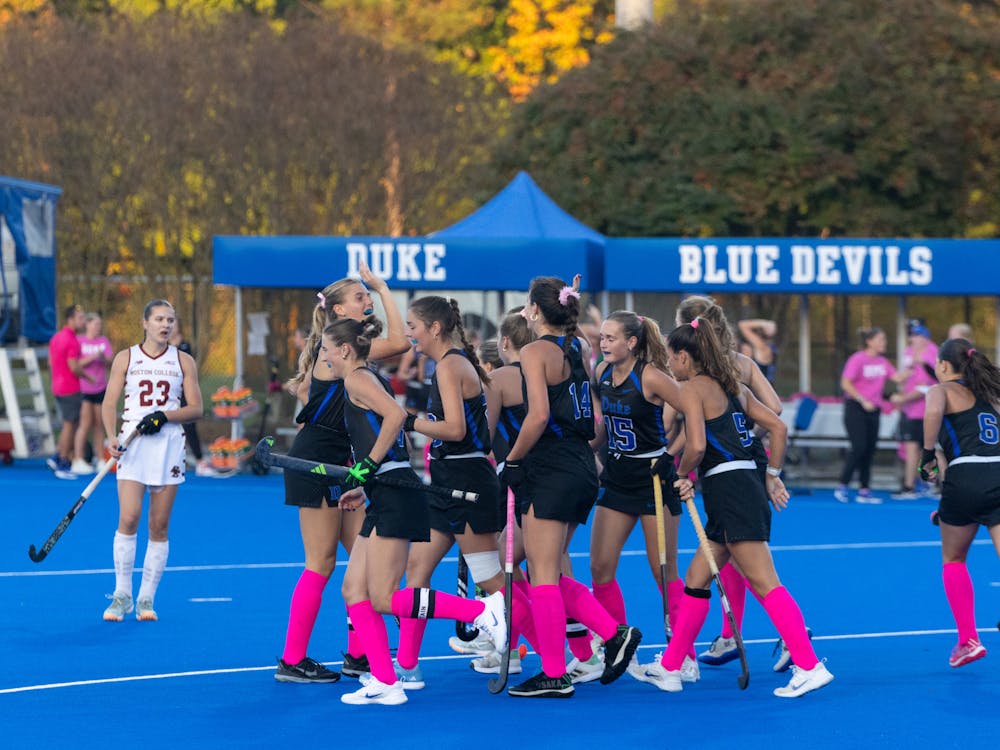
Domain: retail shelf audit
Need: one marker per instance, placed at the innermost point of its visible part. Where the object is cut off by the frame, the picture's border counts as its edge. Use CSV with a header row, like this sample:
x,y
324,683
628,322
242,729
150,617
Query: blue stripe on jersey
x,y
470,426
513,419
503,432
716,444
635,379
554,426
952,436
326,399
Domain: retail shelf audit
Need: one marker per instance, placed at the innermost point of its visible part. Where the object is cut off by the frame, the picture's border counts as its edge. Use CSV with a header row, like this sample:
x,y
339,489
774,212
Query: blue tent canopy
x,y
519,234
28,273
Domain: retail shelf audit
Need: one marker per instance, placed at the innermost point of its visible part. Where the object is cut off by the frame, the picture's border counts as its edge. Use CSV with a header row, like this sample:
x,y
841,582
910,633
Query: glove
x,y
664,468
151,423
513,474
928,458
361,473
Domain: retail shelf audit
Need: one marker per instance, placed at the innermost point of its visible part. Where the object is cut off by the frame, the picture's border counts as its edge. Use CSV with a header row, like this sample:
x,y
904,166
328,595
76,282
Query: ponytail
x,y
699,340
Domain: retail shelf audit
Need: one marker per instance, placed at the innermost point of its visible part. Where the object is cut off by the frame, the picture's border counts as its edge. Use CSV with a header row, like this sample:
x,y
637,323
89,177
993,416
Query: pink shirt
x,y
920,380
63,347
868,375
98,369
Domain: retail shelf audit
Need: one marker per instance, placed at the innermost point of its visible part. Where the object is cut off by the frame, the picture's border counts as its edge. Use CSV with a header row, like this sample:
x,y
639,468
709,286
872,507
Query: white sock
x,y
124,557
152,568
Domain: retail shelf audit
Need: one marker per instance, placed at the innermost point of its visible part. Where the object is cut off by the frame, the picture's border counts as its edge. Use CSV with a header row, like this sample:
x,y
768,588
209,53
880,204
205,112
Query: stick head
x,y
263,451
34,555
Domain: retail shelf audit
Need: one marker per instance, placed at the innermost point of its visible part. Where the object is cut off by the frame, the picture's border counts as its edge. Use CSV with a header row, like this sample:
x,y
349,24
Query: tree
x,y
779,117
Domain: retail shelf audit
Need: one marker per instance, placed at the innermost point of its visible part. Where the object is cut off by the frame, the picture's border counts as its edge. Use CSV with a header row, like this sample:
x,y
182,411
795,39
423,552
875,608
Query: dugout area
x,y
868,579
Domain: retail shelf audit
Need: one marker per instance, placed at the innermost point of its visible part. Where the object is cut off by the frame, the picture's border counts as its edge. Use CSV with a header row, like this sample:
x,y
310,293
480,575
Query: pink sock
x,y
374,640
675,594
736,591
411,636
549,615
961,599
691,616
581,605
787,618
426,604
610,597
578,638
354,647
306,598
521,622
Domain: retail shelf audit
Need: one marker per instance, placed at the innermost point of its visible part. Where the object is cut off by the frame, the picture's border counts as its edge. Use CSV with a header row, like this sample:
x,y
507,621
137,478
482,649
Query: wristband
x,y
771,471
409,422
928,457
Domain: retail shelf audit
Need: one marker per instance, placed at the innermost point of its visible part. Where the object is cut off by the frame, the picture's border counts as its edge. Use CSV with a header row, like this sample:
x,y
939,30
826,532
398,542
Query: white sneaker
x,y
689,670
375,692
490,664
480,646
586,671
410,679
144,611
656,674
81,467
492,621
204,469
840,494
121,605
805,680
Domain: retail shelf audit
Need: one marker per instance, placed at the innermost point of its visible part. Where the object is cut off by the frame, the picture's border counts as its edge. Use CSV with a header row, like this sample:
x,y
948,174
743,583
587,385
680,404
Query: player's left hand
x,y
352,499
151,423
684,489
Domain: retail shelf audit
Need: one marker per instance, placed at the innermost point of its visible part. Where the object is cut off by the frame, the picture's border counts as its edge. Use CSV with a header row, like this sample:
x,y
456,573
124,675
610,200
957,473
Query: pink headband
x,y
694,323
321,298
565,293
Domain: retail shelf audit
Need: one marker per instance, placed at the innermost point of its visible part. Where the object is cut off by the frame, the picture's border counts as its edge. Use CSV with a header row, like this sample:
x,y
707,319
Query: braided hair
x,y
436,309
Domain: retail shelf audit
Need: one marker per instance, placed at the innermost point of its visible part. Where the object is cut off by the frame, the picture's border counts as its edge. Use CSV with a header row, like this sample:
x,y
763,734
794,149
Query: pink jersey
x,y
921,380
98,369
62,348
868,375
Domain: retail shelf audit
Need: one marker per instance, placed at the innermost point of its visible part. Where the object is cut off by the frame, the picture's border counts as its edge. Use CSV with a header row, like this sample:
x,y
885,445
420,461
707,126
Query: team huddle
x,y
550,433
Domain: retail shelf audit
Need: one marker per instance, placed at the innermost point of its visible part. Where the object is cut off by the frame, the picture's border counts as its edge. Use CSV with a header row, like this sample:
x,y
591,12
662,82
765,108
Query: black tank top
x,y
509,423
477,429
571,412
325,406
634,425
364,425
973,432
727,438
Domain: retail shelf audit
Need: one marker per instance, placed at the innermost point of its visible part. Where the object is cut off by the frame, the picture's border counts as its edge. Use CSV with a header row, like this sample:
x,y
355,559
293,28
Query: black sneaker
x,y
543,686
618,652
354,666
307,670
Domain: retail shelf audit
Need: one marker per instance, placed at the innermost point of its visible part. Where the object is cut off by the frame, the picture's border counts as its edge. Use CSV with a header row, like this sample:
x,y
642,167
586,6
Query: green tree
x,y
779,117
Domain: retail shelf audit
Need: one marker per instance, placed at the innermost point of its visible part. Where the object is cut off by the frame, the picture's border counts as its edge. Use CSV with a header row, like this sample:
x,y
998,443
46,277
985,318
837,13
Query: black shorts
x,y
737,507
305,490
94,398
450,516
911,430
631,492
971,494
397,512
561,483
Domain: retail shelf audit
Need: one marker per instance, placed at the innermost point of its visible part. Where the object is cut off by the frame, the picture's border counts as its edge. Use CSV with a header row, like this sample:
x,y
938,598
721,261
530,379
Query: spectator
x,y
66,369
961,331
96,356
919,360
762,335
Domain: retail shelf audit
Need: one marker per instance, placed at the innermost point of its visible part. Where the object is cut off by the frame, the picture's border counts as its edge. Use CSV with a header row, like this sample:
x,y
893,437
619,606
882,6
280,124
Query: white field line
x,y
341,563
270,667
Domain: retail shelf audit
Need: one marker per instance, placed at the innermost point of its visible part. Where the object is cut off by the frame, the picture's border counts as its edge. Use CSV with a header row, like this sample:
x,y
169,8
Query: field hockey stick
x,y
661,548
465,631
335,472
39,555
498,683
744,679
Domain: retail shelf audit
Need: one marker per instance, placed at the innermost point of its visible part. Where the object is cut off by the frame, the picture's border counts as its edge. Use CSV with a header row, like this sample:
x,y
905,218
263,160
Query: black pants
x,y
862,431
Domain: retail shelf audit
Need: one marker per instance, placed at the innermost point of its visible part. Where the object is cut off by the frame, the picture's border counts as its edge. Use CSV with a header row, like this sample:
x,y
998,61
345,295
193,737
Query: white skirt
x,y
153,460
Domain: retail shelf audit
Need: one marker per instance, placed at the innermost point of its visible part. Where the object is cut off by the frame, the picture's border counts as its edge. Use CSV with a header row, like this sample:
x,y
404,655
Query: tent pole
x,y
900,330
630,300
238,379
805,346
605,304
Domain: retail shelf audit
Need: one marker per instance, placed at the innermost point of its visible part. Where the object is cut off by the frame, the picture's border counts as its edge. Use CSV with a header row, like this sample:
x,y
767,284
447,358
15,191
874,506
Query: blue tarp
x,y
28,210
519,234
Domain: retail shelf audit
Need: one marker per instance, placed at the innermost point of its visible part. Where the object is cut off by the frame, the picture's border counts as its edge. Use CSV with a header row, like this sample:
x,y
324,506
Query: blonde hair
x,y
323,314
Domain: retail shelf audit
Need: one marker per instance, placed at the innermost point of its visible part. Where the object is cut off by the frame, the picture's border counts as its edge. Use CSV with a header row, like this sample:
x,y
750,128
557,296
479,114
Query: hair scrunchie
x,y
565,293
321,298
694,323
971,351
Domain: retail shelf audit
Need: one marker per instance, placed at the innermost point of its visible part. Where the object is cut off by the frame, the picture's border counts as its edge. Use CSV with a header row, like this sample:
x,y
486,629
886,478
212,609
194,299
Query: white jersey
x,y
152,383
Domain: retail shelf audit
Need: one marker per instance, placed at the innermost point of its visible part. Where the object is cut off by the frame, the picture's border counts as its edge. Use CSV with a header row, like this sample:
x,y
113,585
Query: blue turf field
x,y
867,578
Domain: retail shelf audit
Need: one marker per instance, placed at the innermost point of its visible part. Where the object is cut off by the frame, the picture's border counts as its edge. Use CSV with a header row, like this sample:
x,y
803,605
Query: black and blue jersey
x,y
727,439
477,429
364,425
972,432
571,411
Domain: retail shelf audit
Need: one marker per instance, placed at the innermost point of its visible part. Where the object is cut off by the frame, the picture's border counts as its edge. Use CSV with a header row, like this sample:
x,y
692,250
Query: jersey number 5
x,y
146,389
